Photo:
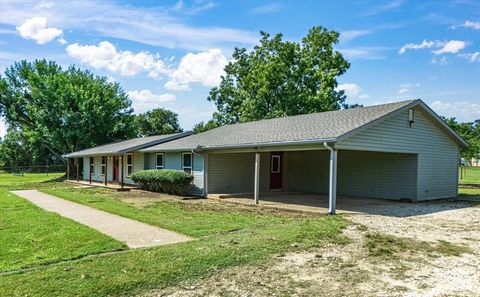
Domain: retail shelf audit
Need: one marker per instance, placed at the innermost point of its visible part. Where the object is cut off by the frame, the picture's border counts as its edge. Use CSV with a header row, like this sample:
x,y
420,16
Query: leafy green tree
x,y
156,122
65,110
205,126
22,149
470,132
281,78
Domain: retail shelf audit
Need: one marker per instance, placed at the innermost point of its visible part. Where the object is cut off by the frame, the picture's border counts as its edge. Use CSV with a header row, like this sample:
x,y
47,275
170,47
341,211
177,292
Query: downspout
x,y
332,185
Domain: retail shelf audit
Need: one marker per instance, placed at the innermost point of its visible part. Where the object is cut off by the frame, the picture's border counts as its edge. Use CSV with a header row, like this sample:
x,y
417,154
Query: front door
x,y
115,168
276,170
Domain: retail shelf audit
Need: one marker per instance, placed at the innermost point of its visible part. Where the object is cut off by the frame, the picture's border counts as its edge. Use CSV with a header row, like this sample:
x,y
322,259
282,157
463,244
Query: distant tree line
x,y
470,131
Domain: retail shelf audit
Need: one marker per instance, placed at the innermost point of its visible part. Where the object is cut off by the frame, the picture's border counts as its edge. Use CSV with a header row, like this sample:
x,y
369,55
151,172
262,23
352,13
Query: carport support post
x,y
332,183
257,178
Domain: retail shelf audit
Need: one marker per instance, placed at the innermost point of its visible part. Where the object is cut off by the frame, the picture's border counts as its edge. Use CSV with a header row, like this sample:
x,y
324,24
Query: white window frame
x,y
191,162
279,164
129,165
103,165
156,161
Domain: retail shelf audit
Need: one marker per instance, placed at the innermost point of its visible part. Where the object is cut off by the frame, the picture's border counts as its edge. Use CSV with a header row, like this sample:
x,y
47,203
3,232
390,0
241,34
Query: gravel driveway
x,y
349,270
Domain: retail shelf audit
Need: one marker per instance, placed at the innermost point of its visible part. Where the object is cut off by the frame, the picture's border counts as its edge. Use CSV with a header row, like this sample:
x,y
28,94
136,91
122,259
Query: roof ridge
x,y
316,113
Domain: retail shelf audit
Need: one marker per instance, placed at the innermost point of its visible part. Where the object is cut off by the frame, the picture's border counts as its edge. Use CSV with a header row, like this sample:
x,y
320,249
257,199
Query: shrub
x,y
169,181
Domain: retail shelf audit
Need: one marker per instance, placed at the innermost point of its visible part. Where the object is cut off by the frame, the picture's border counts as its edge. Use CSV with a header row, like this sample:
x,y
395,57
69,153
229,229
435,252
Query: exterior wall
x,y
86,168
231,173
437,152
307,171
376,174
174,161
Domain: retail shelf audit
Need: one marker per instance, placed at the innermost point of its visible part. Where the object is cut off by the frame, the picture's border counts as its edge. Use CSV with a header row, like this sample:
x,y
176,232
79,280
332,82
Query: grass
x,y
226,236
389,246
471,175
469,193
30,236
30,181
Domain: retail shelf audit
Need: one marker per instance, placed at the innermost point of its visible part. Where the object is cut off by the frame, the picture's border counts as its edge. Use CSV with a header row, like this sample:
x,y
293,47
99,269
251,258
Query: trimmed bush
x,y
175,182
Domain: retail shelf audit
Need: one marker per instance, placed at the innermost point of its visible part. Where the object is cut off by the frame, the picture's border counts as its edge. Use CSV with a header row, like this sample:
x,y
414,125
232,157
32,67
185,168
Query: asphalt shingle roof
x,y
324,126
124,146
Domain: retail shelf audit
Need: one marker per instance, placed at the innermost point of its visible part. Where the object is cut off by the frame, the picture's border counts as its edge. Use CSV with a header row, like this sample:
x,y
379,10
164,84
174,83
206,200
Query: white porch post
x,y
332,182
257,178
332,191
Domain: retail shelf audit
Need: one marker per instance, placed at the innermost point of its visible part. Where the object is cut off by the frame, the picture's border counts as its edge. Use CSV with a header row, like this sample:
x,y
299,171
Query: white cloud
x,y
385,7
106,56
352,91
352,34
205,68
451,47
405,88
471,57
464,111
144,100
264,9
36,29
441,60
472,25
424,44
156,26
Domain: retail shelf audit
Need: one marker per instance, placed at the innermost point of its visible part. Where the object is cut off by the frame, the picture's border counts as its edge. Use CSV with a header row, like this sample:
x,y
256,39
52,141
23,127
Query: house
x,y
114,162
400,150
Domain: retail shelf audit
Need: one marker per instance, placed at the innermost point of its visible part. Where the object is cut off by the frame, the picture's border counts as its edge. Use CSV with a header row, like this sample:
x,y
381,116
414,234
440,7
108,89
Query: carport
x,y
290,176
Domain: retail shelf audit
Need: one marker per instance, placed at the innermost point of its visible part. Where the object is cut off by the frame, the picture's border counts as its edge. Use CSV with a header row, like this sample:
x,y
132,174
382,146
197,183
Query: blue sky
x,y
170,53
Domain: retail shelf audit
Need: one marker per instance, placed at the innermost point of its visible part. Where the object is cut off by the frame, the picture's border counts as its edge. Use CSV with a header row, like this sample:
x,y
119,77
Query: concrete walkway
x,y
135,234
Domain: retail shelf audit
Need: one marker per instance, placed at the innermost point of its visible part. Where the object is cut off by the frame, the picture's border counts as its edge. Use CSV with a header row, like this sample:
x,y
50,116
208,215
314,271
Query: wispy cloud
x,y
197,7
265,9
364,53
471,57
152,26
352,34
442,47
386,7
468,24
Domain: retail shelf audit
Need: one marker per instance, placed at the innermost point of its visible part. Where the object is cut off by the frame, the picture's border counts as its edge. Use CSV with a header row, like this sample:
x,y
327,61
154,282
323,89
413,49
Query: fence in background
x,y
469,175
46,169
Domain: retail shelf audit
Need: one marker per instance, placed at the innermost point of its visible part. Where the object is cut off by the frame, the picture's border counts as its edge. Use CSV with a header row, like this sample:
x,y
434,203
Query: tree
x,y
156,122
281,78
21,149
470,132
202,126
65,110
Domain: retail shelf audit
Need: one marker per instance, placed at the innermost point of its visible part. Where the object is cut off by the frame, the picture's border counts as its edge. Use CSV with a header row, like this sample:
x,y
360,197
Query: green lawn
x,y
30,180
470,193
227,235
470,175
30,236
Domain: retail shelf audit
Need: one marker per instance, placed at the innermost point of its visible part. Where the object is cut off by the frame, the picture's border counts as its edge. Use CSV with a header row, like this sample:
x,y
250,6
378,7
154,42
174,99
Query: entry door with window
x,y
276,171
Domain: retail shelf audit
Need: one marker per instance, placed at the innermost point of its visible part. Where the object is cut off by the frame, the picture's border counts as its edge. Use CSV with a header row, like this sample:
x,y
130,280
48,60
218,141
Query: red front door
x,y
276,169
115,169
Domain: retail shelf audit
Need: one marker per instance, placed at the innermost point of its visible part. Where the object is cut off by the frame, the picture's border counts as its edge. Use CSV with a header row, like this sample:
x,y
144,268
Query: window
x,y
129,164
275,164
187,162
159,164
92,166
104,165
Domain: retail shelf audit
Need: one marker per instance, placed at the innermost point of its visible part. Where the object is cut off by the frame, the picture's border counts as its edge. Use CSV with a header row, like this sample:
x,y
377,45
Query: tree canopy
x,y
63,110
157,121
280,78
470,131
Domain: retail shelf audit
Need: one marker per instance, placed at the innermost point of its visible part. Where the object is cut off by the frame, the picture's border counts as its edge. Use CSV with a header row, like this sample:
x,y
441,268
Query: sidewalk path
x,y
135,234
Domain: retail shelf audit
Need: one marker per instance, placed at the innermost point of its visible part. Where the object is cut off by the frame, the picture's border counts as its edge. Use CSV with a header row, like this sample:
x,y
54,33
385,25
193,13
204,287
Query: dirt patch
x,y
426,267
